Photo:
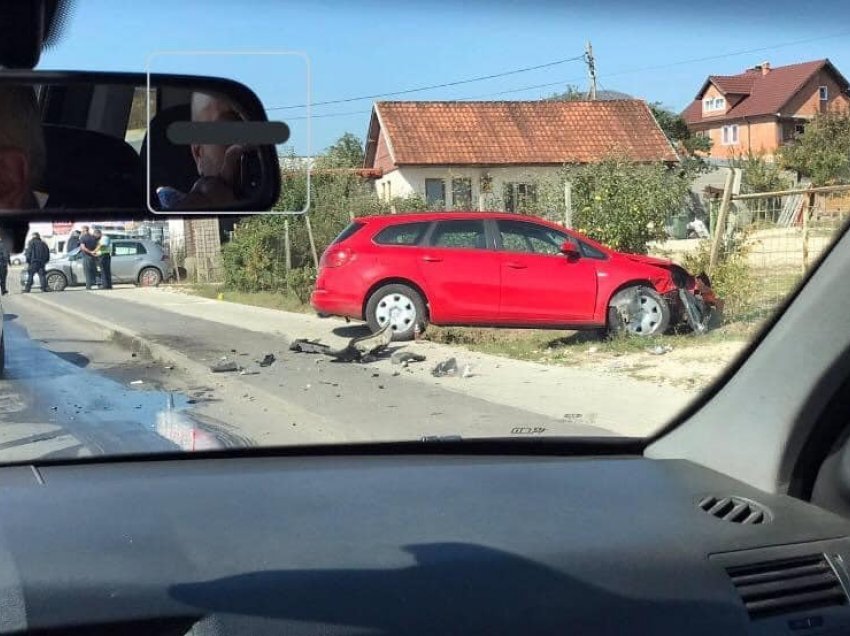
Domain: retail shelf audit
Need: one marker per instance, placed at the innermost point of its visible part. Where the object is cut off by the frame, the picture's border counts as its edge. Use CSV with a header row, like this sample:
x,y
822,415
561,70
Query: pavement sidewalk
x,y
577,396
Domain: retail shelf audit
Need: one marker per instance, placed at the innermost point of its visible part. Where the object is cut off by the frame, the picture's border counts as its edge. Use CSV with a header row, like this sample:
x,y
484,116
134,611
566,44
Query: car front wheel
x,y
399,306
638,311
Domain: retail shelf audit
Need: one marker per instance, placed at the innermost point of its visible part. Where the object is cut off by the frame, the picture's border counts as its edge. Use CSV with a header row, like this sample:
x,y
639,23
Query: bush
x,y
625,205
732,277
299,283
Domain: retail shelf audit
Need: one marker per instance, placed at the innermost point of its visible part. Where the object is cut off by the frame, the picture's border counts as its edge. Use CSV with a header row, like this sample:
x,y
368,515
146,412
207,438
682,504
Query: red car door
x,y
540,285
461,273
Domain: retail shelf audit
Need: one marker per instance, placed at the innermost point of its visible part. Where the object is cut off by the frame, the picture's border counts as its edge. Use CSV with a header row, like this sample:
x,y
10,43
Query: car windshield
x,y
493,221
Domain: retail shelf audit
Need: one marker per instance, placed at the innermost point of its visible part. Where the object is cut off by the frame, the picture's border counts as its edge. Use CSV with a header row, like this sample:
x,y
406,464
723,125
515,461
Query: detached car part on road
x,y
501,270
138,261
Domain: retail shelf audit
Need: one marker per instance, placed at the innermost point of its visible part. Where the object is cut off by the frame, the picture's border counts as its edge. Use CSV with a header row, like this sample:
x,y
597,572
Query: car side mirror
x,y
570,250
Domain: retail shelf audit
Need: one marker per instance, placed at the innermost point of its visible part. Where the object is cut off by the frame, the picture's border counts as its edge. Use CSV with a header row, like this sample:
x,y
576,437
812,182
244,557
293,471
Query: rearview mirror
x,y
118,146
570,250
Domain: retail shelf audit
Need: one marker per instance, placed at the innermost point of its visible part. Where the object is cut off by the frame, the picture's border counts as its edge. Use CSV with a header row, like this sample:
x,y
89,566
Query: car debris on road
x,y
659,350
361,349
406,357
445,368
225,366
267,361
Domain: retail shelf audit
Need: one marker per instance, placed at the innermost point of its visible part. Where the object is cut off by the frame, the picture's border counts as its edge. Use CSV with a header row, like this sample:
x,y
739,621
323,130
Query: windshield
x,y
571,232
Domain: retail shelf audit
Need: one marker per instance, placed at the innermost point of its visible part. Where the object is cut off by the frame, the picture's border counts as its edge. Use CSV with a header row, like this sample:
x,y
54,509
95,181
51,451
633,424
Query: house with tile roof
x,y
763,108
492,155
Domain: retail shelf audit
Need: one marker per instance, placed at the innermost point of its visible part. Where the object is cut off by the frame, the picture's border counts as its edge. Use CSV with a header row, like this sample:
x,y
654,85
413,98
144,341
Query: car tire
x,y
56,281
16,261
638,310
402,306
150,277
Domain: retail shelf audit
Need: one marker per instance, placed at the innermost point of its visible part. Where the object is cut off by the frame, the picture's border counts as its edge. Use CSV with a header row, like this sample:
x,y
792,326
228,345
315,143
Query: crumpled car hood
x,y
648,260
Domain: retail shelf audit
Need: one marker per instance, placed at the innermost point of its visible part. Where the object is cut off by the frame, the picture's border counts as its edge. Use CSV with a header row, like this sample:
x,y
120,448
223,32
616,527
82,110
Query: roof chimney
x,y
765,68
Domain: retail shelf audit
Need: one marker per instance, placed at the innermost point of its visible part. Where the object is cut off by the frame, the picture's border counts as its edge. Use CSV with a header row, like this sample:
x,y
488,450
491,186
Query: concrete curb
x,y
135,342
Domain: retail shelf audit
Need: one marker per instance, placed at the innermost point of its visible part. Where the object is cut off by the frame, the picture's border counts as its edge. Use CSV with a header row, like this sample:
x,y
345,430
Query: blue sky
x,y
657,50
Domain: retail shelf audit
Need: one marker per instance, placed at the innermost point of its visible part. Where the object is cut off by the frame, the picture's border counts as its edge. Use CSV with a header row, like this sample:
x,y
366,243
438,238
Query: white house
x,y
491,155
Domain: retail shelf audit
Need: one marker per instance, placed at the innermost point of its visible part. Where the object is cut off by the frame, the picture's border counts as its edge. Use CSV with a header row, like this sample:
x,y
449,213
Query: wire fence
x,y
785,236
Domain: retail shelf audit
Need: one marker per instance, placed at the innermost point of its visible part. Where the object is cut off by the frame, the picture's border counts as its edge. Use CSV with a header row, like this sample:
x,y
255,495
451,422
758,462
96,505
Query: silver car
x,y
138,261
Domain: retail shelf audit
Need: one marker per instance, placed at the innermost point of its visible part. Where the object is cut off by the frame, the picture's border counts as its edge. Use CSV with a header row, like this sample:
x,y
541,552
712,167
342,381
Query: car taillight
x,y
335,257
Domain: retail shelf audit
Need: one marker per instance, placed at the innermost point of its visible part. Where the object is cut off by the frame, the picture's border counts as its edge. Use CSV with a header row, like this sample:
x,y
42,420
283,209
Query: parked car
x,y
496,269
18,259
138,261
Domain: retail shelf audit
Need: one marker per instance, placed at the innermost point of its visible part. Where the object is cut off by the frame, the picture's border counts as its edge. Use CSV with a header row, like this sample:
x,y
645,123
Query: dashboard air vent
x,y
734,509
789,585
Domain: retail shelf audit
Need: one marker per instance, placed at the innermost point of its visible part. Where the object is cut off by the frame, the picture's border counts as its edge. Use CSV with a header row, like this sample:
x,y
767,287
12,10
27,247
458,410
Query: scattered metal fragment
x,y
447,367
406,357
225,366
268,360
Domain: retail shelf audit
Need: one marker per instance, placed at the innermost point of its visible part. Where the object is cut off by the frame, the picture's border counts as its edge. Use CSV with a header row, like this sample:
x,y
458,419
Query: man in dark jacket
x,y
37,254
88,245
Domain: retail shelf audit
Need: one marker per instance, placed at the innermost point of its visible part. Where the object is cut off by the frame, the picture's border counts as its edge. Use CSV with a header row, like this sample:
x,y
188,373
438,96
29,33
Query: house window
x,y
435,193
799,129
730,135
462,193
520,197
713,104
823,93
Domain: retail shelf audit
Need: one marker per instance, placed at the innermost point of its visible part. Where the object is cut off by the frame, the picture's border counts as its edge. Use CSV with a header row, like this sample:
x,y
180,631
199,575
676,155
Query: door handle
x,y
432,259
515,265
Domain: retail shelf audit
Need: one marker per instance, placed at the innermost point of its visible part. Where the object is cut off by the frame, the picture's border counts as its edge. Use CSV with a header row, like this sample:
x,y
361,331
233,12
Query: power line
x,y
434,86
562,82
725,55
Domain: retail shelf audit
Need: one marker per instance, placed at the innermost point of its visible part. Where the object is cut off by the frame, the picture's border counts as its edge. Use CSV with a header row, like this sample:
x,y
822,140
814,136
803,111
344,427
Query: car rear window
x,y
350,230
402,234
128,248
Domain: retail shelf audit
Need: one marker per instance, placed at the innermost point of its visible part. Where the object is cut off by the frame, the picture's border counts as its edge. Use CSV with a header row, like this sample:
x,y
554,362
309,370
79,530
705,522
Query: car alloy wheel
x,y
639,311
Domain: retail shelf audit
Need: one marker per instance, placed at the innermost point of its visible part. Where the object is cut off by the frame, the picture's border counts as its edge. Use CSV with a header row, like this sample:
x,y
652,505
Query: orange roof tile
x,y
517,133
764,94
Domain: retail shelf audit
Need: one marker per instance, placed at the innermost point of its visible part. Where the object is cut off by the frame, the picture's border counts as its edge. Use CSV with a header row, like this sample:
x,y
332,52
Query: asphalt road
x,y
72,388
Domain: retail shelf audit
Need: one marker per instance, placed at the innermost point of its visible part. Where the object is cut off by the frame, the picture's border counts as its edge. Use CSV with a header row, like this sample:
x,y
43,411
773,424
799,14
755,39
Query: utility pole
x,y
591,70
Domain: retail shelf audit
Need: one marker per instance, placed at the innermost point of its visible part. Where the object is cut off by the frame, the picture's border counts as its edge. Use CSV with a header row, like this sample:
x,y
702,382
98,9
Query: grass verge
x,y
571,347
270,300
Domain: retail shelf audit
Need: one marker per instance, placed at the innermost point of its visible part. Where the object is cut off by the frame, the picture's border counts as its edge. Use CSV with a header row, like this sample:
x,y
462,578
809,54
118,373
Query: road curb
x,y
135,342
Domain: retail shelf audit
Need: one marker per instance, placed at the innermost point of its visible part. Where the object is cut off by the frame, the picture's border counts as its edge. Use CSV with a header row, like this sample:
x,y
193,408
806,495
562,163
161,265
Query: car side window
x,y
589,251
460,234
403,234
519,236
128,248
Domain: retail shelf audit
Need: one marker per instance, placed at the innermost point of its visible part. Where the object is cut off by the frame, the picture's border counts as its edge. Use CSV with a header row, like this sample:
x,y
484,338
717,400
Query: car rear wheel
x,y
56,281
150,277
638,311
401,307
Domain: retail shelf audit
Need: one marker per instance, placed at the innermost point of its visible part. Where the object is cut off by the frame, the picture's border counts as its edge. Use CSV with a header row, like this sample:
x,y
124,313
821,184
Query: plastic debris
x,y
302,345
406,357
224,366
447,367
659,350
137,382
268,360
467,371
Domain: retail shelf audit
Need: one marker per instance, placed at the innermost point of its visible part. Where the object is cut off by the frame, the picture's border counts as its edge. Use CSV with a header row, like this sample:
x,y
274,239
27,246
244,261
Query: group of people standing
x,y
95,248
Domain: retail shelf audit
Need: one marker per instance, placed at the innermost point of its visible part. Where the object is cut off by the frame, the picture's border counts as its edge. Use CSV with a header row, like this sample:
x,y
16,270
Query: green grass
x,y
270,300
570,347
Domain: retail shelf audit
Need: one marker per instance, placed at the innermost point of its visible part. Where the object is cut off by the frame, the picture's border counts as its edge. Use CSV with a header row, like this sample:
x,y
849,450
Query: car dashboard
x,y
412,544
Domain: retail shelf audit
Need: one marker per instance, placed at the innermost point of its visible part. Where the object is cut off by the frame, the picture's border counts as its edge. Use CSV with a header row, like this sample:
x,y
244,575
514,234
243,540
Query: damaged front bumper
x,y
695,303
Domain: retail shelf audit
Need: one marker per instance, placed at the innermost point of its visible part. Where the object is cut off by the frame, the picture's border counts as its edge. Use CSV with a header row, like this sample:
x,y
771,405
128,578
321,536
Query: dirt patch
x,y
683,361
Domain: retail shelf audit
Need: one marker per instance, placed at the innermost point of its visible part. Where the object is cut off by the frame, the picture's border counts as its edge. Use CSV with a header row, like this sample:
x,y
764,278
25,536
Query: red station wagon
x,y
502,270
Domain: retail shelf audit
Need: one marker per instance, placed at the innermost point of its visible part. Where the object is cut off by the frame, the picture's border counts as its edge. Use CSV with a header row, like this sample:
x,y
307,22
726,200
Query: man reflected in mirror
x,y
218,166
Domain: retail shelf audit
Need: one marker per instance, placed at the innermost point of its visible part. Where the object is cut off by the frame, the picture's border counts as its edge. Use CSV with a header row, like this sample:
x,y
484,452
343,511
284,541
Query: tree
x,y
677,131
571,94
822,152
346,152
625,204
